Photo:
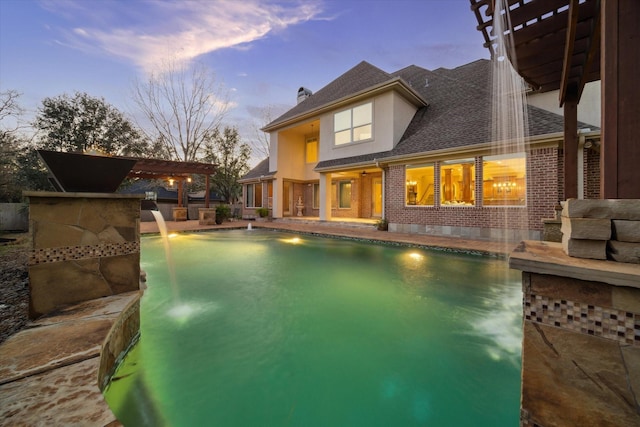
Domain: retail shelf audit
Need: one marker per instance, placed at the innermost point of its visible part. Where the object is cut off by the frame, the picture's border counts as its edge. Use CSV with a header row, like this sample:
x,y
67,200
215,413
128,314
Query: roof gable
x,y
358,79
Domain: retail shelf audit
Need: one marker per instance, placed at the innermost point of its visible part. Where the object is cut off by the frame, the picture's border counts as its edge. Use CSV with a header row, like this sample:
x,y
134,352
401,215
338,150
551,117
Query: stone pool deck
x,y
350,229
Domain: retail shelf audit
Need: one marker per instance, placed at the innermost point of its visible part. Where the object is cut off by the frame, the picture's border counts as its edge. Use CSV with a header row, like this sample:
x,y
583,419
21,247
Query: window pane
x,y
312,150
249,200
362,115
457,180
362,133
420,185
334,195
316,196
258,198
343,137
345,194
504,180
342,121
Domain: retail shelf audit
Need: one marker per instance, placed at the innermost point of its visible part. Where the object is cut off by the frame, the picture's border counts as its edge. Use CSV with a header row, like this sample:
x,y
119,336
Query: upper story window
x,y
354,124
311,150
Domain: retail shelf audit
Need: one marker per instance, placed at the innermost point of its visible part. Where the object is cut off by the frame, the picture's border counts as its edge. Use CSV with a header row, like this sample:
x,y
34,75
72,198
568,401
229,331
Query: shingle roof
x,y
458,114
261,169
360,77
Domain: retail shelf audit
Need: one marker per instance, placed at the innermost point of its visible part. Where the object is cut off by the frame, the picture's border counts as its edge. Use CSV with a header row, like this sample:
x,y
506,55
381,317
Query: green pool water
x,y
272,329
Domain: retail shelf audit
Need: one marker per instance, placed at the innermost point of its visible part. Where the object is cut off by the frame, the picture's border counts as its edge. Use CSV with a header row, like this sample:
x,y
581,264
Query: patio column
x,y
619,65
571,148
325,197
206,194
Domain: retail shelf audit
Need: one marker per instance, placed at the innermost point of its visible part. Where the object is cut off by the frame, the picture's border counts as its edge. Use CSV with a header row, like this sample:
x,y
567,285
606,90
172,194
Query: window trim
x,y
351,127
406,179
518,154
253,193
308,141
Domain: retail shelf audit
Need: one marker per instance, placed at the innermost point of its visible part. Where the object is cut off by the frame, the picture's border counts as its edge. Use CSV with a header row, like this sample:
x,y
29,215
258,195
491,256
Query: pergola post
x,y
570,149
620,68
206,194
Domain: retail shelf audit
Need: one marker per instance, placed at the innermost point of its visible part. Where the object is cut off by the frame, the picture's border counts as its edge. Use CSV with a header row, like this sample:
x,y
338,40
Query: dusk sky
x,y
263,51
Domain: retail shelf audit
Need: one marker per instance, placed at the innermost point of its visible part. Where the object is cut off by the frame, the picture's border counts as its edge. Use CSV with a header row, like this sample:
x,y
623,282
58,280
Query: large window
x,y
504,180
311,150
354,124
253,196
457,182
420,184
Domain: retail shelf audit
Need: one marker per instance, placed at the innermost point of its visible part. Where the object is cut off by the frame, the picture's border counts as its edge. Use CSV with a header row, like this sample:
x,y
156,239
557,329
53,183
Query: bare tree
x,y
184,105
10,113
260,143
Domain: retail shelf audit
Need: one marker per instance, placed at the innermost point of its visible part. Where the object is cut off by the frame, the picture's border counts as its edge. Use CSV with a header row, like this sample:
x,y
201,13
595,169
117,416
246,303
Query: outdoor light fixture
x,y
364,173
171,182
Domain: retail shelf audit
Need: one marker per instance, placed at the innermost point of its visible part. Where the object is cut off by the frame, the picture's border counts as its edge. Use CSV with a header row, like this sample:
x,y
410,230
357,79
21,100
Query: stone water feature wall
x,y
602,229
581,338
84,246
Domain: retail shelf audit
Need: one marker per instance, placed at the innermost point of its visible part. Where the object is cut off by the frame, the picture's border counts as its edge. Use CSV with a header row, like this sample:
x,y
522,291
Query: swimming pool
x,y
274,329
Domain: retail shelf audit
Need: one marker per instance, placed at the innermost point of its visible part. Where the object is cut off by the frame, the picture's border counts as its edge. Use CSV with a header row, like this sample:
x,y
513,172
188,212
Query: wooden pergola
x,y
172,170
564,44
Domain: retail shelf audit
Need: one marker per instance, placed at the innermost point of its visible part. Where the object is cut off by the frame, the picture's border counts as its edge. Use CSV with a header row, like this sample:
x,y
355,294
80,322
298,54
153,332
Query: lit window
x,y
312,150
253,196
420,184
457,182
354,124
504,180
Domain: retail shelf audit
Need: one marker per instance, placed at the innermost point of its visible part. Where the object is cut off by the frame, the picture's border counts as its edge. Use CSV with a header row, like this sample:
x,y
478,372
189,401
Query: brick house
x,y
414,147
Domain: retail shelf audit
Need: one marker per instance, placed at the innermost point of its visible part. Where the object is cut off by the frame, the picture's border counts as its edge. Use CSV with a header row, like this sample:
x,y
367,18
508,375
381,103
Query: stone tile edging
x,y
618,325
67,253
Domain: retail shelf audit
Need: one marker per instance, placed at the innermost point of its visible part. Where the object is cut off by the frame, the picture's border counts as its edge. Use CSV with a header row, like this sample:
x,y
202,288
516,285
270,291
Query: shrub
x,y
222,212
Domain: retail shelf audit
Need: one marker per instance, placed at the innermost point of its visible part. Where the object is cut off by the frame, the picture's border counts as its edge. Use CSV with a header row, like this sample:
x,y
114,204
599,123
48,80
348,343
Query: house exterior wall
x,y
391,116
478,221
589,108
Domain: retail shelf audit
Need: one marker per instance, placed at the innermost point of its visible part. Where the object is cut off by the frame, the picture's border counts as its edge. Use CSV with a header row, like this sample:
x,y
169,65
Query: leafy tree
x,y
184,106
83,123
231,155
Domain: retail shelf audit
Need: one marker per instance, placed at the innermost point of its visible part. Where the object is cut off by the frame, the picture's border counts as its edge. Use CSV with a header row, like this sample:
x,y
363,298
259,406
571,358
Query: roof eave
x,y
396,83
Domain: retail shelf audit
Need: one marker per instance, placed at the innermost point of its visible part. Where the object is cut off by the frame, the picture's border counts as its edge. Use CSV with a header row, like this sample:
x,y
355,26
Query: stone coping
x,y
549,258
50,371
73,195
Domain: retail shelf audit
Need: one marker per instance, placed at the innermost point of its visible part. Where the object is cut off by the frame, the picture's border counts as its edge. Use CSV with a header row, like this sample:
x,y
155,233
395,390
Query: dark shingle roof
x,y
360,77
458,114
261,169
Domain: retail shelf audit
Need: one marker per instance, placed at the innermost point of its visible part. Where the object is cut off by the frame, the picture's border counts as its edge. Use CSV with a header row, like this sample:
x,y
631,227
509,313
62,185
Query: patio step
x,y
360,224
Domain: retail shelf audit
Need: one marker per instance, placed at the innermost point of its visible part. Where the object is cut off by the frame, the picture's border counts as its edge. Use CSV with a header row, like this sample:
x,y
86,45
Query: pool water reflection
x,y
276,329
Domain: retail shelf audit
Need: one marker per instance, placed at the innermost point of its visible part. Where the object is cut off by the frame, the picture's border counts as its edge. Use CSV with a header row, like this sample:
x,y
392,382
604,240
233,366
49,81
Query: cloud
x,y
148,33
